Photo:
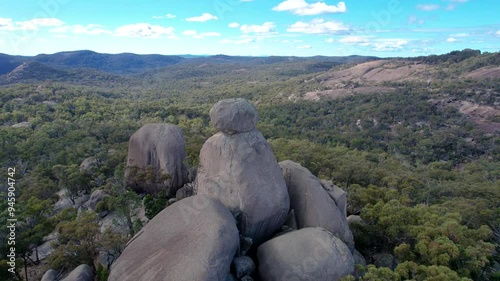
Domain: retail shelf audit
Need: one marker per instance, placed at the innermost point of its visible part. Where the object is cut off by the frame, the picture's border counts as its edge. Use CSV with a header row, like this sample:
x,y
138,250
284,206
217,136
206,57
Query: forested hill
x,y
127,63
120,63
415,142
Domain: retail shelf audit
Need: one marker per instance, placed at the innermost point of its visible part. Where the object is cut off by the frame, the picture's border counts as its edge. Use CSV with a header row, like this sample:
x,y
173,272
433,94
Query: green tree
x,y
72,179
78,243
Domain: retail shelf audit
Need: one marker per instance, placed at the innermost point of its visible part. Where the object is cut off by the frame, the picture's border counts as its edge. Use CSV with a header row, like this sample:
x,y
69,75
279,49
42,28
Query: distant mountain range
x,y
32,72
127,63
123,70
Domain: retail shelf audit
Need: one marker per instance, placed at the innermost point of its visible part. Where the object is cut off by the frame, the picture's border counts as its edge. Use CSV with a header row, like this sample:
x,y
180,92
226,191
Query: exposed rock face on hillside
x,y
194,239
313,205
32,70
157,149
238,167
306,254
484,73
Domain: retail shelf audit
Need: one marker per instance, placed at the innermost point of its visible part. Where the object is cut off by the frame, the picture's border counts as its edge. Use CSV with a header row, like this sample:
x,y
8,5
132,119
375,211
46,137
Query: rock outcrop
x,y
88,165
354,219
242,266
184,192
337,194
96,197
233,116
194,239
22,125
306,254
242,198
49,275
238,167
313,205
80,273
158,149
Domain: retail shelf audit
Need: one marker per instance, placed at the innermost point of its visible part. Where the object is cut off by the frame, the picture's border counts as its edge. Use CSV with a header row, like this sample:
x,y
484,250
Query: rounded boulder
x,y
194,239
312,204
304,255
82,272
233,116
157,151
49,275
241,171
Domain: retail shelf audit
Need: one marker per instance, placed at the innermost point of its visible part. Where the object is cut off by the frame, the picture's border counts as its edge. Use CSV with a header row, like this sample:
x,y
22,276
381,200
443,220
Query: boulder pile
x,y
245,216
315,206
238,167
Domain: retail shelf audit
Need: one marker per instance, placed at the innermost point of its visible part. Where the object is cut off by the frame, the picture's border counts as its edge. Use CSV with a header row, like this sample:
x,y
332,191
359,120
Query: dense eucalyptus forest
x,y
420,162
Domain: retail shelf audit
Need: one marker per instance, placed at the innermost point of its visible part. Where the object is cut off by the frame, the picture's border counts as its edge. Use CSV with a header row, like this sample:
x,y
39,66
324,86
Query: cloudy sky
x,y
382,28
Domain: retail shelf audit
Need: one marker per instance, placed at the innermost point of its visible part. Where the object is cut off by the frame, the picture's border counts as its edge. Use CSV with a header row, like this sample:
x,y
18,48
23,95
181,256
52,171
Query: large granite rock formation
x,y
80,273
233,116
313,205
304,255
159,147
194,239
238,167
338,195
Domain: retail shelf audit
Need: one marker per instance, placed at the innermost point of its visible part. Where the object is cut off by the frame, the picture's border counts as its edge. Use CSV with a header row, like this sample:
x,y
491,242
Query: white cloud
x,y
329,40
460,35
304,47
33,24
302,8
89,29
498,33
6,24
381,45
384,45
168,16
267,27
45,22
318,26
239,42
451,40
190,32
234,25
210,34
354,39
195,34
427,7
203,18
144,30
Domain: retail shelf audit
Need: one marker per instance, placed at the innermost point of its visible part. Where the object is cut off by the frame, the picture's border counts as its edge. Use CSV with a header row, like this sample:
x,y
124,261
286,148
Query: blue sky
x,y
383,28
